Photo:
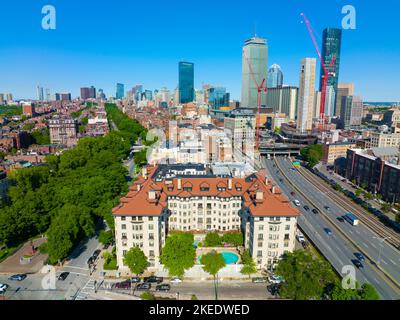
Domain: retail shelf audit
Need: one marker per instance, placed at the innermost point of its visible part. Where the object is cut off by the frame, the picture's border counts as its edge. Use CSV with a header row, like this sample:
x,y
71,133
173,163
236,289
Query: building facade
x,y
186,82
351,112
275,76
344,89
305,102
63,131
156,205
333,151
120,94
254,54
283,100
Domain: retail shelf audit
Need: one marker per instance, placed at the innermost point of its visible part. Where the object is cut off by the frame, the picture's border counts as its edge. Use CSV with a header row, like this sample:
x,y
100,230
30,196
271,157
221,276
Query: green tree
x,y
147,295
306,276
193,297
212,239
136,260
358,192
235,238
106,237
339,293
249,266
213,262
312,154
178,253
368,292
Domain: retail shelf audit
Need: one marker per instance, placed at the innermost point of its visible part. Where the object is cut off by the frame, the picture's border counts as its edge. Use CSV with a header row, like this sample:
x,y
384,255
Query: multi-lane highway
x,y
345,240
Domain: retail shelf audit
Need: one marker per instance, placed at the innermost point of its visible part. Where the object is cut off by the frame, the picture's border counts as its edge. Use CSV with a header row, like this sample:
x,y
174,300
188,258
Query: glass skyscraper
x,y
331,43
255,53
186,82
120,91
218,97
275,76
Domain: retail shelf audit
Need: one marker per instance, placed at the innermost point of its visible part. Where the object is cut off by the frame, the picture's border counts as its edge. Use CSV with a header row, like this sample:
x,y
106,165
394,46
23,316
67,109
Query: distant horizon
x,y
131,48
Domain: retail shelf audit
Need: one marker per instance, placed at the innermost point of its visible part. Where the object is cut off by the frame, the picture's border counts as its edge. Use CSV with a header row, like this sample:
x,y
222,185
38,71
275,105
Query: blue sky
x,y
103,42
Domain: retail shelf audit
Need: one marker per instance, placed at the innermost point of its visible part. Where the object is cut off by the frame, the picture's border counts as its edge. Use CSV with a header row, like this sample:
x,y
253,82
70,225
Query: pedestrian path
x,y
88,289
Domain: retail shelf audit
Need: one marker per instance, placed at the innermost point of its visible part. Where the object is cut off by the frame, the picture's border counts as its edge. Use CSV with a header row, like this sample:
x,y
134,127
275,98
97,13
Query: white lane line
x,y
351,231
384,261
86,269
373,245
365,244
393,262
357,231
81,274
376,280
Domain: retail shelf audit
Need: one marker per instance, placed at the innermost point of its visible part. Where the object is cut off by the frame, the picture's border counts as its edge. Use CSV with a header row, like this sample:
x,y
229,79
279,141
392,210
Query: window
x,y
151,227
123,226
287,227
287,218
261,227
259,253
150,218
123,218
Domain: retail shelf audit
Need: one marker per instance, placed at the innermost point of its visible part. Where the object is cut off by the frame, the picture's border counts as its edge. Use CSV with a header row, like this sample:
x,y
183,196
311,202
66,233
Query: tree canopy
x,y
249,266
312,154
178,253
136,260
212,262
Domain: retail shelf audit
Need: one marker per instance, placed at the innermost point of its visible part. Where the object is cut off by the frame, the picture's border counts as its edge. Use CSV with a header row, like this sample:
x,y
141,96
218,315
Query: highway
x,y
337,248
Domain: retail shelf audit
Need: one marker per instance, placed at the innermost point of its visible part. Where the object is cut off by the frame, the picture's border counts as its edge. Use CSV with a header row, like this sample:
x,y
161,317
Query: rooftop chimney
x,y
273,189
144,172
152,195
230,184
138,186
179,184
259,195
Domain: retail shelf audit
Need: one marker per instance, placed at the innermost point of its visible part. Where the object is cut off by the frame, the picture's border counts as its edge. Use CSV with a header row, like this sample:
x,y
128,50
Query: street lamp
x,y
381,241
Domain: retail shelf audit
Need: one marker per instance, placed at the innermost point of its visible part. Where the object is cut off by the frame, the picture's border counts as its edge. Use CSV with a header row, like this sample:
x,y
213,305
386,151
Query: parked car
x,y
96,253
293,193
153,279
360,256
18,277
300,237
176,280
143,286
3,287
275,279
123,285
328,231
358,263
327,208
163,287
63,276
135,280
297,203
340,219
273,289
259,280
90,260
307,208
315,211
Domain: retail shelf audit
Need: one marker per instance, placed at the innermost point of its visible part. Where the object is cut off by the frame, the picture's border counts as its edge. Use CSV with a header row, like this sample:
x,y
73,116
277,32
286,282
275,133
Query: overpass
x,y
279,149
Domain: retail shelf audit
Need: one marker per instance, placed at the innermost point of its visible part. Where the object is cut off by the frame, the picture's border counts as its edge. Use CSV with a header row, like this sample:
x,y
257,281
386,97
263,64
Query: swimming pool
x,y
229,257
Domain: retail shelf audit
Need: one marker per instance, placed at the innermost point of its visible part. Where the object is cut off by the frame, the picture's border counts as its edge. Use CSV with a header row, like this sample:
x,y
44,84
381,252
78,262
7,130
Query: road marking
x,y
357,231
351,231
393,262
81,274
86,269
365,244
384,261
373,245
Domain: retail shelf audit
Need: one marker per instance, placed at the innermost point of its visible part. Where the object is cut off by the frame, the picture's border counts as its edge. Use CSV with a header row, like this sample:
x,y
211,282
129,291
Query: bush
x,y
147,296
212,240
235,238
106,237
194,297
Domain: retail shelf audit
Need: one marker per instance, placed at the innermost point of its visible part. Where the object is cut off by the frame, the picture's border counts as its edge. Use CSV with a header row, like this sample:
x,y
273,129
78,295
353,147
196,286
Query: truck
x,y
351,218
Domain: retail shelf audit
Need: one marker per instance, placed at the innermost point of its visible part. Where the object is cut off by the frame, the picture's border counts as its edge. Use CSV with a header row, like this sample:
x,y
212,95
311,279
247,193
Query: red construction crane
x,y
326,69
260,89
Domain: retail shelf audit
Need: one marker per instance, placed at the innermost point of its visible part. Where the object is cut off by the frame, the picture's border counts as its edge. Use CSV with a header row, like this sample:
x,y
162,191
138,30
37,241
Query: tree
x,y
235,238
358,192
212,239
305,276
178,253
368,292
193,297
106,237
213,262
147,296
136,260
312,154
339,293
249,266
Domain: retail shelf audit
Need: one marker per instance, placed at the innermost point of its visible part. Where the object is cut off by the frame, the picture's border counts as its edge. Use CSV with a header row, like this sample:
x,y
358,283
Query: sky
x,y
101,43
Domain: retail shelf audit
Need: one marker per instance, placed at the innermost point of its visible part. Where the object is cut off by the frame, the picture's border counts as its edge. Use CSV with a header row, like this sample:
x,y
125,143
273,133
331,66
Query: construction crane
x,y
262,87
327,70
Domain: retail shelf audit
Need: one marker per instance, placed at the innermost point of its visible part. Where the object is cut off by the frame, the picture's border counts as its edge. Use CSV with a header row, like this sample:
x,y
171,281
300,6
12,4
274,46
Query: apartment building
x,y
383,139
333,151
158,203
63,131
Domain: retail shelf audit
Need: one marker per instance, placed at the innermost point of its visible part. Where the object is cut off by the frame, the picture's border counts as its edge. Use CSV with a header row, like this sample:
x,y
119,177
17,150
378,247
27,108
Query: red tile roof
x,y
137,202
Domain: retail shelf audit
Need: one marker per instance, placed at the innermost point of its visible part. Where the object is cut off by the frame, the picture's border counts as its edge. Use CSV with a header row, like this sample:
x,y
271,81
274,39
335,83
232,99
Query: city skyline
x,y
79,62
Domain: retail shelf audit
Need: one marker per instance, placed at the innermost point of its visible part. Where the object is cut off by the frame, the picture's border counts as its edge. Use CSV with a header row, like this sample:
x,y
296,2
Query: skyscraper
x,y
305,103
275,76
40,94
344,89
330,101
351,111
85,93
92,92
283,100
255,53
218,97
331,43
48,96
186,82
120,91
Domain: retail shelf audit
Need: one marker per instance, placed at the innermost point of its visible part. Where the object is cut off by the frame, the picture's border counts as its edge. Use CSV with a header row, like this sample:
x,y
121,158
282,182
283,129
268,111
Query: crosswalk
x,y
85,291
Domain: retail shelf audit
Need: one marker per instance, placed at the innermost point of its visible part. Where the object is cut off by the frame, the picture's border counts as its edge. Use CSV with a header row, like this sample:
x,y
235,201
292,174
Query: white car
x,y
176,280
297,202
3,287
300,237
275,279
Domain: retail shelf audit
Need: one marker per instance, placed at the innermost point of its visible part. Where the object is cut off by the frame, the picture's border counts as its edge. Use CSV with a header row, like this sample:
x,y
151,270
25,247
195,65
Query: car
x,y
293,193
360,256
163,287
96,253
3,287
275,279
90,261
153,279
176,280
18,277
327,208
63,276
341,219
307,208
273,289
280,179
143,286
300,237
259,280
315,211
123,285
358,263
135,280
296,202
328,231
